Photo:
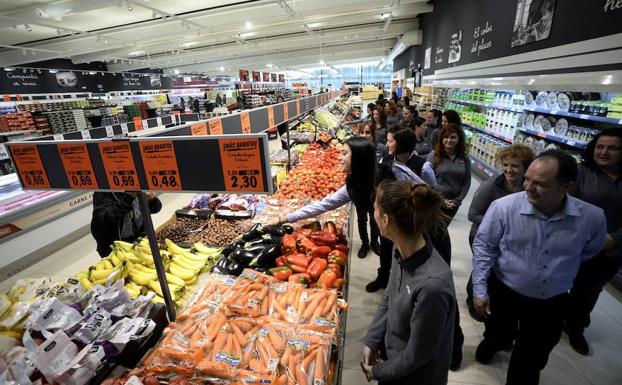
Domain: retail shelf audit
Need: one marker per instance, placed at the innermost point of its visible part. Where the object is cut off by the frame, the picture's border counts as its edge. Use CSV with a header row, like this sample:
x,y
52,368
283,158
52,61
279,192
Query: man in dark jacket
x,y
117,216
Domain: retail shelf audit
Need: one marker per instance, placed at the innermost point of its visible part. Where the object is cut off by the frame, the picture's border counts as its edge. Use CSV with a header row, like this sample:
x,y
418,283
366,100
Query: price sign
x,y
3,152
542,134
285,111
6,98
297,107
29,165
59,137
215,126
160,165
583,116
198,129
109,131
138,123
159,122
270,117
119,165
571,143
78,167
124,129
246,123
241,164
86,134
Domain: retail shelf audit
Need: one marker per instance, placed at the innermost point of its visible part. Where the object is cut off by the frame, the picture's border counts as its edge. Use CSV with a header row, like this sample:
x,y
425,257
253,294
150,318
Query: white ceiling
x,y
209,36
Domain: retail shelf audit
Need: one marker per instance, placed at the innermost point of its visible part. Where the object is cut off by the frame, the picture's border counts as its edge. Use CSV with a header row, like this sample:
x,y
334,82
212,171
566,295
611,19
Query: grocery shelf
x,y
591,118
568,142
482,169
498,107
489,132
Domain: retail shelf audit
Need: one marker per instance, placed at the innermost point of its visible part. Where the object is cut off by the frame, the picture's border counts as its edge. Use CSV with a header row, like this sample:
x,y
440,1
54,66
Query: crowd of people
x,y
546,237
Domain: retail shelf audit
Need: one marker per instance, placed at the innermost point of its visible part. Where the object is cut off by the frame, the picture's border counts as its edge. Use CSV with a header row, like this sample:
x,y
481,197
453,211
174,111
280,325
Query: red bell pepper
x,y
330,227
288,244
303,278
298,269
298,260
327,279
319,252
338,253
342,247
280,261
337,257
303,231
281,273
323,238
339,282
317,267
305,244
334,267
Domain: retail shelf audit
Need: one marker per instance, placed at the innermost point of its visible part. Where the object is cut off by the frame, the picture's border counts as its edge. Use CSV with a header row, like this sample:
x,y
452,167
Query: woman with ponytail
x,y
410,338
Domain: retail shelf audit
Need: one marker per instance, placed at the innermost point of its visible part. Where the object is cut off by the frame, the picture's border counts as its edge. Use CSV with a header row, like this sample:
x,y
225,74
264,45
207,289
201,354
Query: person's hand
x,y
278,220
482,305
367,370
610,243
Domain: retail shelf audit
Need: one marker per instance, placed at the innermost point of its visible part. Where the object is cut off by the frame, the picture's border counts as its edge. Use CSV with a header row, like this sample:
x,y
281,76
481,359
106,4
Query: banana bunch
x,y
104,269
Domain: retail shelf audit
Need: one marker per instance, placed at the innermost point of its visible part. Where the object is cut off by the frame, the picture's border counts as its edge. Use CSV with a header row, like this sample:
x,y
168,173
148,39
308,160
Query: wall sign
x,y
481,38
455,47
612,5
438,55
533,21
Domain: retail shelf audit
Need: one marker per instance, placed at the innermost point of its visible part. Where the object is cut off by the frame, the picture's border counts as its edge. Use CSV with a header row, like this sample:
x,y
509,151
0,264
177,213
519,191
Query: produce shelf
x,y
482,169
498,107
568,142
591,118
489,132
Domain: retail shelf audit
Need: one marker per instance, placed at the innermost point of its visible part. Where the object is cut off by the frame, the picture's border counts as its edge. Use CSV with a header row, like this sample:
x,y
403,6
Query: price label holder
x,y
297,107
160,165
198,129
159,122
246,122
78,167
270,117
124,129
241,164
119,165
138,123
4,154
286,111
215,126
109,131
6,98
59,137
86,134
29,166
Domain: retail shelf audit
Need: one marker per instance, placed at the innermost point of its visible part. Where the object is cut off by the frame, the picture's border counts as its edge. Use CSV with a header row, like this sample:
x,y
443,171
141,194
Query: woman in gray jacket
x,y
410,338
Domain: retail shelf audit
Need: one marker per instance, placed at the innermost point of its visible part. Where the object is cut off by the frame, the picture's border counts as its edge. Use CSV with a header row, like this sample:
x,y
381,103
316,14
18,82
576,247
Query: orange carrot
x,y
313,305
330,303
318,310
276,340
319,365
238,333
306,363
301,376
220,341
214,328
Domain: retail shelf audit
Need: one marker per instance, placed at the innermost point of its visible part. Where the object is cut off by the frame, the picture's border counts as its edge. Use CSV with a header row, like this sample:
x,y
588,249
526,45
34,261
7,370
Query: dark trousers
x,y
534,324
282,130
593,275
386,253
361,215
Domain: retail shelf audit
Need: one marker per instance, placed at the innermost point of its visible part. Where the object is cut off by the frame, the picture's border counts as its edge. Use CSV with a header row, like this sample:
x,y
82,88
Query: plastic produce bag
x,y
247,296
209,299
264,349
16,313
285,300
126,330
54,355
18,365
319,311
92,326
83,367
305,360
51,314
222,353
68,291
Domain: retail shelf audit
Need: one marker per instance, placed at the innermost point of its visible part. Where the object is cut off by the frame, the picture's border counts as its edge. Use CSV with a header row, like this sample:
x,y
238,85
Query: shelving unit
x,y
490,132
566,114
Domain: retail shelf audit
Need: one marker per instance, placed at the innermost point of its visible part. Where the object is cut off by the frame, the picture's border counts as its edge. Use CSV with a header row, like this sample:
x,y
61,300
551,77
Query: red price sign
x,y
215,127
138,123
297,107
29,166
270,117
246,123
78,168
6,98
198,129
542,134
160,165
285,111
119,165
241,164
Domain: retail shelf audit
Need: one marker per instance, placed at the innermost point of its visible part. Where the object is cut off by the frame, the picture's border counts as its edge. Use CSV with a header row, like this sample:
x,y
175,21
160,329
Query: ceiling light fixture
x,y
92,72
176,72
322,62
385,15
52,71
27,27
129,6
9,69
222,69
247,34
314,25
248,25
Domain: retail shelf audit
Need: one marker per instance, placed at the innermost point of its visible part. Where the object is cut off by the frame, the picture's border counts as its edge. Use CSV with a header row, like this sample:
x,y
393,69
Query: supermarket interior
x,y
294,192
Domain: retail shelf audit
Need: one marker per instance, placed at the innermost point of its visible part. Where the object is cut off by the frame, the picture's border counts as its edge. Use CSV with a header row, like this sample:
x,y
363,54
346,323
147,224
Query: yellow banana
x,y
133,291
116,261
175,280
191,281
196,257
174,248
206,250
141,277
86,283
83,274
158,299
176,291
179,259
12,334
145,269
125,246
98,275
181,272
107,264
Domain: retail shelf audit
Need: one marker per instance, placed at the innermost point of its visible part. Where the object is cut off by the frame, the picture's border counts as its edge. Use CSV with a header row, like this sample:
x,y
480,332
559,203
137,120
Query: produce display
x,y
316,176
181,229
220,231
326,120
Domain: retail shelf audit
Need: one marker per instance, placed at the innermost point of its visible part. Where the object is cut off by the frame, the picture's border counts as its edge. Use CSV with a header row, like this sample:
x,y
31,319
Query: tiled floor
x,y
565,367
602,367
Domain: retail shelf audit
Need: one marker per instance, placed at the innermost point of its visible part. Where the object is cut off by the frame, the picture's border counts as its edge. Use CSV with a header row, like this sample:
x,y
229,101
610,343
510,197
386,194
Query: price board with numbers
x,y
78,167
119,165
29,166
241,164
160,165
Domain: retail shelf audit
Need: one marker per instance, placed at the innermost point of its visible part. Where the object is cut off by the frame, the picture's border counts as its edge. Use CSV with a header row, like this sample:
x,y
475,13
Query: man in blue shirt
x,y
526,254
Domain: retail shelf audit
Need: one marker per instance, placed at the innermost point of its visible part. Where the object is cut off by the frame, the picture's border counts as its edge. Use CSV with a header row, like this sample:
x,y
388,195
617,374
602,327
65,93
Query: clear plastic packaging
x,y
247,295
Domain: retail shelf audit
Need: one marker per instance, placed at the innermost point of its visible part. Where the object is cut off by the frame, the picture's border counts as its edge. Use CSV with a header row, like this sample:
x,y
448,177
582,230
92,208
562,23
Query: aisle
x,y
565,367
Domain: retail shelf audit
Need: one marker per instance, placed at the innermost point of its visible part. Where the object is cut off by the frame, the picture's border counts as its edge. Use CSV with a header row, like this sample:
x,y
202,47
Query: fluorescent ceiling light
x,y
385,15
247,34
222,68
52,71
189,43
248,25
314,25
269,65
176,72
607,80
9,69
135,53
92,72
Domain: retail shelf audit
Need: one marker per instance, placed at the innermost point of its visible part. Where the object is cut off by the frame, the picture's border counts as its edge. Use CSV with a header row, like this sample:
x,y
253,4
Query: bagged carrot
x,y
246,296
266,347
221,357
305,360
320,311
215,288
284,300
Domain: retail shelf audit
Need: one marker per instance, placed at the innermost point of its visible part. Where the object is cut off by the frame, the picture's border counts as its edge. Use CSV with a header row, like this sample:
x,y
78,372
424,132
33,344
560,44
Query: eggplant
x,y
272,239
220,270
238,243
273,230
242,256
235,268
255,249
288,229
226,250
252,233
223,262
268,255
